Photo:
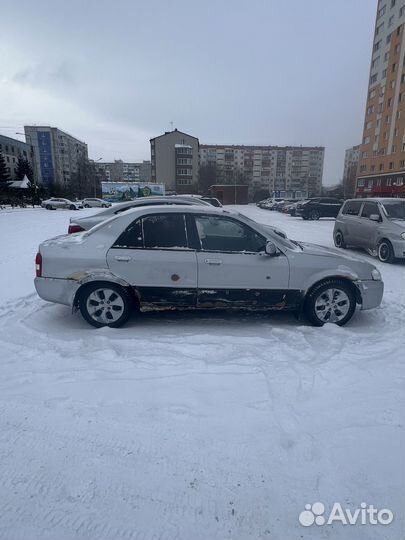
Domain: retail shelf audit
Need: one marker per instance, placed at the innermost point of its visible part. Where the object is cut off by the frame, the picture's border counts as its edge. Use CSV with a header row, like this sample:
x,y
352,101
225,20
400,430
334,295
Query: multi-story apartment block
x,y
120,171
12,149
350,171
174,160
293,171
57,155
382,154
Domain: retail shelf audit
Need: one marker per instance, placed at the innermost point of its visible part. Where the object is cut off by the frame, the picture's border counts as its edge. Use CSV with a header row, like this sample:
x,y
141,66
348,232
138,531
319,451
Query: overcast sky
x,y
116,73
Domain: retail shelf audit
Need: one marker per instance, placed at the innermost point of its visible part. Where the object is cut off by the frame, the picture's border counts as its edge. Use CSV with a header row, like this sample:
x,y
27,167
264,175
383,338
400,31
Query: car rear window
x,y
352,208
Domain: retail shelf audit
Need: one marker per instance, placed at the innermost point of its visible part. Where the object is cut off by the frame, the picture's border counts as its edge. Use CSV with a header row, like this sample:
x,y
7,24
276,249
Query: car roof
x,y
175,209
169,198
376,199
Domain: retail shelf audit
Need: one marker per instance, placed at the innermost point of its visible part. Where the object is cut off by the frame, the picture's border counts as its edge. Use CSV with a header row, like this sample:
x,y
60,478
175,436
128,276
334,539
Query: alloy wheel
x,y
332,305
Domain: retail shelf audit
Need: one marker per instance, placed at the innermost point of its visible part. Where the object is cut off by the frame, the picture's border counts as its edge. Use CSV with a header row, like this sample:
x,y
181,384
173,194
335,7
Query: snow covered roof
x,y
21,184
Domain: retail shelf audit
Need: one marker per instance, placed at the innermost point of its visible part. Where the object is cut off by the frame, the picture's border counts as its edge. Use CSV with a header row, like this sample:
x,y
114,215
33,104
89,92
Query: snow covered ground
x,y
194,426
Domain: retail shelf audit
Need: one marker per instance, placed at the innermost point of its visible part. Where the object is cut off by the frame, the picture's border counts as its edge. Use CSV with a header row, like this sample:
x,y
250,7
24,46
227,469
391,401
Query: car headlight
x,y
375,274
403,235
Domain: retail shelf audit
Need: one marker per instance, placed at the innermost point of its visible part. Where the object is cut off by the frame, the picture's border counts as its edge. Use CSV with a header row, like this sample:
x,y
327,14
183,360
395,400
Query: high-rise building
x,y
58,156
382,153
350,171
174,160
12,149
120,171
288,171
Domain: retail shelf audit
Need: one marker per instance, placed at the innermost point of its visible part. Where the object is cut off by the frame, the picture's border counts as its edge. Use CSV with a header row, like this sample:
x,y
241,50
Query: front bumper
x,y
59,291
399,248
371,293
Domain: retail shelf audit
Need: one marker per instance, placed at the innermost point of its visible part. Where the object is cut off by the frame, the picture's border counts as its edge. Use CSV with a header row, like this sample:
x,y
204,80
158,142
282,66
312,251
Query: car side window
x,y
159,231
132,237
165,231
352,208
223,234
369,208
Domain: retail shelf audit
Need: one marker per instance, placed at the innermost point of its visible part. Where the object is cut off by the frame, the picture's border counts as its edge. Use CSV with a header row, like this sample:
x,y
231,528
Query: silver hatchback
x,y
377,225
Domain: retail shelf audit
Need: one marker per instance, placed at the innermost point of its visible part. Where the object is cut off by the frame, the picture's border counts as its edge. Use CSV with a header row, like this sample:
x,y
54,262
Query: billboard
x,y
125,191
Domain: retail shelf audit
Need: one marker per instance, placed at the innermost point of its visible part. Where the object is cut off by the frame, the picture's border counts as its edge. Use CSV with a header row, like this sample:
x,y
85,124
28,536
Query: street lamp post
x,y
95,176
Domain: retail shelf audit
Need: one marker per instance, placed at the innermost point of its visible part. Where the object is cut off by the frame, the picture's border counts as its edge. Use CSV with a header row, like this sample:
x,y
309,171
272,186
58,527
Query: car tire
x,y
104,206
87,206
385,251
305,217
332,301
48,207
72,207
339,240
315,214
114,314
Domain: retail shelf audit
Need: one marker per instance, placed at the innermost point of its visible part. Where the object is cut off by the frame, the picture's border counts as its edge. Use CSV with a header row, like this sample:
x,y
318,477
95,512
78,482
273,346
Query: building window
x,y
388,182
393,68
391,21
393,149
364,154
391,165
381,166
388,40
377,45
402,164
384,73
372,168
401,11
366,140
360,183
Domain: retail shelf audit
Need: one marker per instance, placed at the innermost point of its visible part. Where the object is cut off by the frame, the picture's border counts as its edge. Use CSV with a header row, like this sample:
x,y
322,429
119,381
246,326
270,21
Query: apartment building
x,y
120,171
58,156
382,153
12,149
175,161
289,171
350,171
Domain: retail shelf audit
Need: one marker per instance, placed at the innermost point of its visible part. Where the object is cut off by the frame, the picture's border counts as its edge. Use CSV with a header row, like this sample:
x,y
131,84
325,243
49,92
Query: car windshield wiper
x,y
296,244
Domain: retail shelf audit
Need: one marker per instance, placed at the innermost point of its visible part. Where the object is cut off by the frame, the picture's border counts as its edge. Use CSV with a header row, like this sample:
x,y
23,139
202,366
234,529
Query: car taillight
x,y
38,265
74,228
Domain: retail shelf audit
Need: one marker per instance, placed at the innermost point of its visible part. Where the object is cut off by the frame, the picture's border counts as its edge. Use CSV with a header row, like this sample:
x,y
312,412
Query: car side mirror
x,y
374,217
270,249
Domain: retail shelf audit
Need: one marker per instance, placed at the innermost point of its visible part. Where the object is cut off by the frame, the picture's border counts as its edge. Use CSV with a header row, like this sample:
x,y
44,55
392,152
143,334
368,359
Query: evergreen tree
x,y
24,169
5,178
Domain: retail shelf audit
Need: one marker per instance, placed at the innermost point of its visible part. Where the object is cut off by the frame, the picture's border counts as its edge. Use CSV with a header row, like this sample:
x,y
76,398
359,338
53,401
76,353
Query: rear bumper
x,y
371,293
59,291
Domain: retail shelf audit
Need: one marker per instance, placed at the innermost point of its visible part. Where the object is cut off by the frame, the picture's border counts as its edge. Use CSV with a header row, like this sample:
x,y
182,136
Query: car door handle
x,y
122,258
213,261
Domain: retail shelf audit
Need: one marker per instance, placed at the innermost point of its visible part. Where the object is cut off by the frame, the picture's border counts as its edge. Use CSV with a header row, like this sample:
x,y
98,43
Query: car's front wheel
x,y
105,304
332,301
339,240
385,252
87,206
315,214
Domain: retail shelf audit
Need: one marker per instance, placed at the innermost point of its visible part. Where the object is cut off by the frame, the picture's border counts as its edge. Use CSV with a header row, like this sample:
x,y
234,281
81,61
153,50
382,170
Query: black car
x,y
319,207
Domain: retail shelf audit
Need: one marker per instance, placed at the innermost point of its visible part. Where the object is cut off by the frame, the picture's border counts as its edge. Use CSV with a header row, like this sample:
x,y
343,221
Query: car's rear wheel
x,y
48,207
339,240
332,301
87,206
385,252
104,206
72,207
105,304
315,214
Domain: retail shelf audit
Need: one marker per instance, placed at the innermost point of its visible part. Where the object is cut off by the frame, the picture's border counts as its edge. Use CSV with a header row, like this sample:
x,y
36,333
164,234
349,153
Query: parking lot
x,y
193,425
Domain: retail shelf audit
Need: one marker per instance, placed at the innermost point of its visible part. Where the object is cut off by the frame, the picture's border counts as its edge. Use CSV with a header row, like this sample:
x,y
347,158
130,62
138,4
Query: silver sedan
x,y
195,257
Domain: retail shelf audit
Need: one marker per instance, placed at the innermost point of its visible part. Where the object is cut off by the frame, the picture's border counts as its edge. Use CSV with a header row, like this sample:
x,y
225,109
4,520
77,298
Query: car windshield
x,y
394,209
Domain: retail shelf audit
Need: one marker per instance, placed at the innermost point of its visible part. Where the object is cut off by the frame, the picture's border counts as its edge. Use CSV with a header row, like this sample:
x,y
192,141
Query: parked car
x,y
377,225
213,201
95,203
54,202
86,223
197,257
319,207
